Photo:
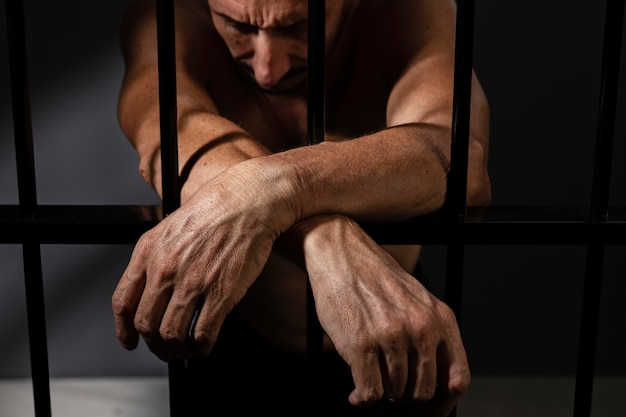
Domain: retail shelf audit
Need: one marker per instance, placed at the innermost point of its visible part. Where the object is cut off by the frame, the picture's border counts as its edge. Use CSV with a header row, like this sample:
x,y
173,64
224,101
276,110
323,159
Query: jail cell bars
x,y
31,224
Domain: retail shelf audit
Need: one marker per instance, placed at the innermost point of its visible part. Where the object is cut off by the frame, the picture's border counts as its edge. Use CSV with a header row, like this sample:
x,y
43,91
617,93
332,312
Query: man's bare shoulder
x,y
383,37
200,8
391,34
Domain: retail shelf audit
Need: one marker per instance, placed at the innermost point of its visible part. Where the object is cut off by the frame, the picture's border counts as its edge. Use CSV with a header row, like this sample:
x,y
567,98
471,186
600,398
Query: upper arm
x,y
423,90
422,86
138,40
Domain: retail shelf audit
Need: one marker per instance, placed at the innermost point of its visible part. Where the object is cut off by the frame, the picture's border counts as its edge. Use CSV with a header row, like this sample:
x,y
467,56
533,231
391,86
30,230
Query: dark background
x,y
539,64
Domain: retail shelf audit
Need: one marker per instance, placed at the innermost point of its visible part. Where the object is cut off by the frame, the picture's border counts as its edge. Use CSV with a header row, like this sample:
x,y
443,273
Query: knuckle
x,y
120,307
424,393
143,327
447,314
171,336
393,330
143,244
371,395
459,384
426,346
202,342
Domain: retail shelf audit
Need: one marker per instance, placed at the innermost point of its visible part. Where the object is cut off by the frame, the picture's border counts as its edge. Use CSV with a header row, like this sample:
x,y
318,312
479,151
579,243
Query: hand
x,y
202,257
400,341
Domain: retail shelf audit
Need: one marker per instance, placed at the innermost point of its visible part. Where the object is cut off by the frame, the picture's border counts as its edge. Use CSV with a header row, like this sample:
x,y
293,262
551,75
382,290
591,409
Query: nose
x,y
270,61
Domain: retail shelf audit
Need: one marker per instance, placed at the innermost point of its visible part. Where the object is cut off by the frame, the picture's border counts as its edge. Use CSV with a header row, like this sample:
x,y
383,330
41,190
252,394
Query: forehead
x,y
262,13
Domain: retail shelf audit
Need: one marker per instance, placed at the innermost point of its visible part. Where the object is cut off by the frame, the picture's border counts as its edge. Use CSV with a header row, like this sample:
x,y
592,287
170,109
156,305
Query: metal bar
x,y
316,95
316,74
31,252
169,161
605,132
37,336
463,64
456,194
111,224
167,105
457,177
20,91
588,330
592,289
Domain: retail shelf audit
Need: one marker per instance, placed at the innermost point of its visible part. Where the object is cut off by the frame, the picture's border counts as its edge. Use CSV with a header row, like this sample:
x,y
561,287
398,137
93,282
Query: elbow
x,y
150,168
478,182
479,193
142,131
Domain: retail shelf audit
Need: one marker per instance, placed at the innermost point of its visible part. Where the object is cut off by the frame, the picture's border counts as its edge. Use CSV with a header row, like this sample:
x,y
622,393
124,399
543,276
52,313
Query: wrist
x,y
270,189
310,237
321,233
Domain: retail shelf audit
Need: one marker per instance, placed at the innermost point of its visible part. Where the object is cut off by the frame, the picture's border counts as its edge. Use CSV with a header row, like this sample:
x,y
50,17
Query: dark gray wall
x,y
82,157
539,64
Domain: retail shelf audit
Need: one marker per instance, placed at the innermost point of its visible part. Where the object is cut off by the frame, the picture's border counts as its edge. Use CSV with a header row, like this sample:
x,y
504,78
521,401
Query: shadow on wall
x,y
521,309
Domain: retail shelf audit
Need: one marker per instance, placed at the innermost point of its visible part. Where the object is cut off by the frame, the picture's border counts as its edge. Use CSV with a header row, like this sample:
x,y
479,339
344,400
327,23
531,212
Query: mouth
x,y
291,82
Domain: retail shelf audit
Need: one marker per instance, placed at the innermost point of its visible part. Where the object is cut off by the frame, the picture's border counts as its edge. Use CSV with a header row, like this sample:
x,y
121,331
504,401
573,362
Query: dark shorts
x,y
244,374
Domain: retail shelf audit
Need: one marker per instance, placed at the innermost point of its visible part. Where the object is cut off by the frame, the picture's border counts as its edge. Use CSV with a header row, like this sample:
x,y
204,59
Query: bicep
x,y
422,91
138,99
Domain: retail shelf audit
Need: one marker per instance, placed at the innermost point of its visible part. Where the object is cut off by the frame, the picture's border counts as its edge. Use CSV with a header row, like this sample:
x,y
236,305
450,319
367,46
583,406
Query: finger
x,y
208,323
394,372
411,379
148,319
368,384
177,321
454,379
424,380
124,302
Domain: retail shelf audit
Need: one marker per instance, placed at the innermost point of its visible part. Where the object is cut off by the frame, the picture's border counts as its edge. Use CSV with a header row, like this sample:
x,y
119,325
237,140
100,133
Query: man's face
x,y
268,38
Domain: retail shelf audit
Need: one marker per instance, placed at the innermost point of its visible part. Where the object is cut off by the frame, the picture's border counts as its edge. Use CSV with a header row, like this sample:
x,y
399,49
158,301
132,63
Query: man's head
x,y
268,38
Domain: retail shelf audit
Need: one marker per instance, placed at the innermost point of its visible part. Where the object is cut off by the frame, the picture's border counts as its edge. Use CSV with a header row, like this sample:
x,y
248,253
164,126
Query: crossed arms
x,y
241,201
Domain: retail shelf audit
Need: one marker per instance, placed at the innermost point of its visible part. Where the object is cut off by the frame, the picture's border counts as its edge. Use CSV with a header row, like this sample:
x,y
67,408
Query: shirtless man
x,y
259,208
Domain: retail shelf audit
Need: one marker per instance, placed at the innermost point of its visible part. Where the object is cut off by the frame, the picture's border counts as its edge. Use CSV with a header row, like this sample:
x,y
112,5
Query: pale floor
x,y
139,397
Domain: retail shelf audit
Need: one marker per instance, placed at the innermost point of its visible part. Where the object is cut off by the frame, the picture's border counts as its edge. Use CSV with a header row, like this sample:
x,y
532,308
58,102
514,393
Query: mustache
x,y
289,83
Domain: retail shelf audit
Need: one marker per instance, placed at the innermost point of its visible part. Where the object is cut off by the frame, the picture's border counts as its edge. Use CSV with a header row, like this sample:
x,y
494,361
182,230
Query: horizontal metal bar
x,y
77,223
118,224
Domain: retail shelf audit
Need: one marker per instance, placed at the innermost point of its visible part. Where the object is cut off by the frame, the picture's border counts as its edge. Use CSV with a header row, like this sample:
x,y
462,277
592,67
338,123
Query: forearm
x,y
391,175
207,144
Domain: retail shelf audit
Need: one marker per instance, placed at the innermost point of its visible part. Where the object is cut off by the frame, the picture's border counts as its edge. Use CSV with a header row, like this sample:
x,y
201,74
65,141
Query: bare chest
x,y
353,106
356,94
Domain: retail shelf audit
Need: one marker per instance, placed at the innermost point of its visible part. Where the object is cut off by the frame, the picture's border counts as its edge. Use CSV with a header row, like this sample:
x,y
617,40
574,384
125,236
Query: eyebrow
x,y
301,22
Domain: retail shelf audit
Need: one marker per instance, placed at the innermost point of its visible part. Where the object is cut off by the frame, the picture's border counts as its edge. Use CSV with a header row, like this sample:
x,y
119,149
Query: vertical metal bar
x,y
463,62
607,108
457,177
316,94
31,251
169,161
456,194
592,288
22,124
167,105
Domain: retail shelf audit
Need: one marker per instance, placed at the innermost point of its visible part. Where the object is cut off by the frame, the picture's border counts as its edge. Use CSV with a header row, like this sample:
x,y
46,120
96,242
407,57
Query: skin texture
x,y
259,208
